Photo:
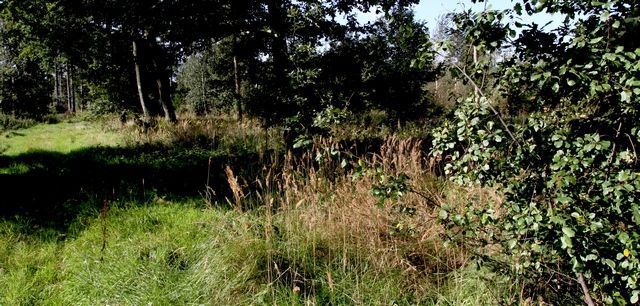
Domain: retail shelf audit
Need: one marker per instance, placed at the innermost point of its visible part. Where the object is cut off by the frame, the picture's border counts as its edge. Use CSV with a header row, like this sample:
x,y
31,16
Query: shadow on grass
x,y
51,189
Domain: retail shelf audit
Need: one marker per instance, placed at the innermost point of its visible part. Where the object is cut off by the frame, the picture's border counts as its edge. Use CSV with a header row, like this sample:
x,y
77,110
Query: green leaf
x,y
518,8
636,213
596,40
566,242
616,24
568,232
625,96
591,257
610,263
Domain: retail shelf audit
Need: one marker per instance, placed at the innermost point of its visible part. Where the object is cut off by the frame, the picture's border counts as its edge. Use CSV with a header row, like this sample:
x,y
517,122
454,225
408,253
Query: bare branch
x,y
585,290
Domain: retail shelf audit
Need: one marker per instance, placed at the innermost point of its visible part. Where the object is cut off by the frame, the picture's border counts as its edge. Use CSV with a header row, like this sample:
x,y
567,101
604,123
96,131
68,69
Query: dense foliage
x,y
569,168
282,61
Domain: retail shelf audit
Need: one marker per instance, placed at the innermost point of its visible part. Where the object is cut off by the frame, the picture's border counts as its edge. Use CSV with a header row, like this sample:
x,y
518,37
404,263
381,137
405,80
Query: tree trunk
x,y
163,78
73,91
68,81
56,88
237,78
203,91
164,97
279,44
136,60
81,98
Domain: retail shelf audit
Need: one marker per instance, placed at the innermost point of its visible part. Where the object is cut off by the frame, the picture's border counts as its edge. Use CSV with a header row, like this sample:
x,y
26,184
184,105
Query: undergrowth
x,y
301,227
9,122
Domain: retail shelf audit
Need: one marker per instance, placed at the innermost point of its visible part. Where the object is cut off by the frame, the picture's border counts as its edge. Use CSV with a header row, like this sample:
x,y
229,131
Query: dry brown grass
x,y
403,235
210,131
238,194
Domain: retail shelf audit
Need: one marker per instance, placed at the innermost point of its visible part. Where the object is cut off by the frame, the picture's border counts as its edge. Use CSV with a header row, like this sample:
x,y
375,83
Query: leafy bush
x,y
570,173
9,122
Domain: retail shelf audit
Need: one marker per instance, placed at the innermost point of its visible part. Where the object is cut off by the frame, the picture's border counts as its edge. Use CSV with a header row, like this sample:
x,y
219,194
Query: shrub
x,y
9,122
569,171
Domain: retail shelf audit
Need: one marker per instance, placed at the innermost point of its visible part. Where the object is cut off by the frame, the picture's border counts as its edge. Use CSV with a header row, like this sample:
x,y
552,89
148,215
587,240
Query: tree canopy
x,y
272,58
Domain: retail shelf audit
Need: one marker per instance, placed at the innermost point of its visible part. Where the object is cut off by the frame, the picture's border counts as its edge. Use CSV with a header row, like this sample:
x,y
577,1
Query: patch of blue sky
x,y
430,11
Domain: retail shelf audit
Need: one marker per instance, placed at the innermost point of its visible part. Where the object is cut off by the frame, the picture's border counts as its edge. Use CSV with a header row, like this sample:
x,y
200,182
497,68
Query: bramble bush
x,y
570,173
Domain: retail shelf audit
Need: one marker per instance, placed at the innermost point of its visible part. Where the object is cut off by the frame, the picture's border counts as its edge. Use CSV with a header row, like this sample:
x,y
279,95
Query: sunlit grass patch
x,y
62,137
149,256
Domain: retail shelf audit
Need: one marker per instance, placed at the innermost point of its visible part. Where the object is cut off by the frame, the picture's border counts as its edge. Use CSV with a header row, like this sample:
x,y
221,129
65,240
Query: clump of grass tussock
x,y
471,286
398,248
151,256
164,253
212,132
28,263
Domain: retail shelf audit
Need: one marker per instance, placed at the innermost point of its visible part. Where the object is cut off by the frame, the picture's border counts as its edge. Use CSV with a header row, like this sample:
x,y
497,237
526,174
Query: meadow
x,y
99,212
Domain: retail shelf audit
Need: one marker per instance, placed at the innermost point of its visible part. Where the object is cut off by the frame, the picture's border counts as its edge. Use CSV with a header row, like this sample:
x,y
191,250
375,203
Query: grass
x,y
179,229
64,137
175,253
10,122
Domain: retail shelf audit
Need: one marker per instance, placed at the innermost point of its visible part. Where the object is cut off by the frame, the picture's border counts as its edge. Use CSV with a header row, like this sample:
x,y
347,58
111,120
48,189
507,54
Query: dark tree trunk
x,y
68,81
203,91
279,44
59,83
236,74
164,97
163,83
136,60
73,91
56,81
81,98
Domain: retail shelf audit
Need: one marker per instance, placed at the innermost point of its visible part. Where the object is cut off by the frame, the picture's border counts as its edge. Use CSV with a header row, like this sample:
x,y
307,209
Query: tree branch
x,y
493,109
585,290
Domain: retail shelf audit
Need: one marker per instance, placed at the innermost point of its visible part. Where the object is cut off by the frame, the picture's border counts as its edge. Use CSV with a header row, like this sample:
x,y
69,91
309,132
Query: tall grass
x,y
302,229
327,240
222,132
10,122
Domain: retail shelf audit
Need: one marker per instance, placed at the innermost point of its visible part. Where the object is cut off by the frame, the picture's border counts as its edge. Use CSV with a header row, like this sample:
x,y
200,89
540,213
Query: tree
x,y
272,57
25,89
312,54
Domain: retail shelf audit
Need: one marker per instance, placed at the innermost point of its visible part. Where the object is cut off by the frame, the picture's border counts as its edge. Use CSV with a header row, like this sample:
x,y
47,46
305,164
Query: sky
x,y
430,10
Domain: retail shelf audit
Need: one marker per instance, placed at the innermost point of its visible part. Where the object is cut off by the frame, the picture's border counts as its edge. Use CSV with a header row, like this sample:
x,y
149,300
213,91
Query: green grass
x,y
153,254
62,137
167,247
178,253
